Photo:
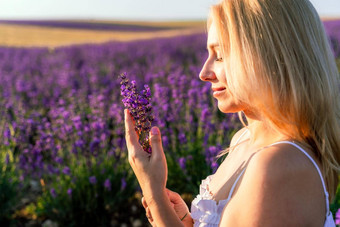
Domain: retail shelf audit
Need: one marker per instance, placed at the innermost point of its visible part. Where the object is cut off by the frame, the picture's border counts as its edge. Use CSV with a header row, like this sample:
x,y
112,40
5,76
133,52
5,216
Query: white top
x,y
206,212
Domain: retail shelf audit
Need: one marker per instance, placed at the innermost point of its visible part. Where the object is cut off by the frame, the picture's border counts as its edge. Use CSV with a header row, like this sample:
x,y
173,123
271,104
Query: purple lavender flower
x,y
66,171
139,107
182,162
53,192
69,192
94,144
58,160
182,138
165,141
93,180
7,133
123,183
210,156
337,217
107,184
79,143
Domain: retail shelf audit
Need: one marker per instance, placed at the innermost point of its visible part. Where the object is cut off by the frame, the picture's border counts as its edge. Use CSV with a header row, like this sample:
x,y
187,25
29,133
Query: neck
x,y
260,133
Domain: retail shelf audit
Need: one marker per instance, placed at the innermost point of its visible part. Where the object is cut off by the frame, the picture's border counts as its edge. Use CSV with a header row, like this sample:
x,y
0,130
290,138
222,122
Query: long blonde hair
x,y
279,62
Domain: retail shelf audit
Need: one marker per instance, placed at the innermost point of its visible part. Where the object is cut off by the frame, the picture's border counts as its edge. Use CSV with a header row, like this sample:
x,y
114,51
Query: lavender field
x,y
62,149
333,30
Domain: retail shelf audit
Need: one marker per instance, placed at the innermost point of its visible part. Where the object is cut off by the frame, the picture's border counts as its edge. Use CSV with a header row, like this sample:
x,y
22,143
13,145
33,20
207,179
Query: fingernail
x,y
154,131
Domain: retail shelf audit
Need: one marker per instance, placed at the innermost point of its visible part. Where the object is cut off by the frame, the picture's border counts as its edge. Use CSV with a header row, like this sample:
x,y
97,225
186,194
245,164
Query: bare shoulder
x,y
280,187
279,161
237,136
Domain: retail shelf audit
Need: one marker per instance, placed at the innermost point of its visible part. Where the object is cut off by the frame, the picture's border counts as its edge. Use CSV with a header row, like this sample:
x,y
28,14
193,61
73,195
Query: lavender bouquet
x,y
140,108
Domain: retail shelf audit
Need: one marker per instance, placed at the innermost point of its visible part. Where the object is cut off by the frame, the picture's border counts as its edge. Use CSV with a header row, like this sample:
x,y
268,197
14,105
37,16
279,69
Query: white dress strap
x,y
316,166
239,176
234,185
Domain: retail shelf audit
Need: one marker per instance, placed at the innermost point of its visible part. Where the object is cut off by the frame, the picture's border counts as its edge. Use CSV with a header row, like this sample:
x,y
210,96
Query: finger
x,y
173,196
148,214
133,122
130,133
156,144
131,138
145,205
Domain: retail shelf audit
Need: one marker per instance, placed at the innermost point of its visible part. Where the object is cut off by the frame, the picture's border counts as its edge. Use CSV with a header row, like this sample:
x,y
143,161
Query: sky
x,y
146,10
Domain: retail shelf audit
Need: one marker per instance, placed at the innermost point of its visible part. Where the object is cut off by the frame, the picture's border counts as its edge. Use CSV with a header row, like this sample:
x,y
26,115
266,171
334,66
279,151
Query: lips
x,y
218,91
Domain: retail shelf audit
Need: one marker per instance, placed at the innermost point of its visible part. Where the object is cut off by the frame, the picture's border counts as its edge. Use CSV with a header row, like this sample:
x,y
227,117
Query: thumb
x,y
174,197
156,143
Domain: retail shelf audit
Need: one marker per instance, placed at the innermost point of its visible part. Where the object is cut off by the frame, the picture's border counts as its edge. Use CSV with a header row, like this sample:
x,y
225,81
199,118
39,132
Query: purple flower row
x,y
332,28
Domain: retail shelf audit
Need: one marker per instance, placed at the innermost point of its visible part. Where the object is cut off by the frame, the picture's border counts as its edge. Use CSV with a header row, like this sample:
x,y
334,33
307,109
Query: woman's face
x,y
213,71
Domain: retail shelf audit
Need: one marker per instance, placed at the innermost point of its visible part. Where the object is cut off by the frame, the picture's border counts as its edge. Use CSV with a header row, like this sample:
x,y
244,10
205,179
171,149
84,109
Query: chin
x,y
228,107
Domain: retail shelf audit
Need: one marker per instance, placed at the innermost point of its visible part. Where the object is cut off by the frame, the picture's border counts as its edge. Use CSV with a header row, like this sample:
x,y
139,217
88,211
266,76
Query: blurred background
x,y
54,23
63,159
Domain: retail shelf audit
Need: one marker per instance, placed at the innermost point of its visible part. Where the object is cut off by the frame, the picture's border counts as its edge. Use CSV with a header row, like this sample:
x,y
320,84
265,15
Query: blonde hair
x,y
279,62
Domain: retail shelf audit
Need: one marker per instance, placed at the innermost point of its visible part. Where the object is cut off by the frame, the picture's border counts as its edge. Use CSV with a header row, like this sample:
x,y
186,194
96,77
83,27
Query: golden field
x,y
38,36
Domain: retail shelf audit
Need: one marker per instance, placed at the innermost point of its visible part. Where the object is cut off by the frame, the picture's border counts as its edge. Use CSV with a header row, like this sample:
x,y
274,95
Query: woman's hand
x,y
150,169
178,204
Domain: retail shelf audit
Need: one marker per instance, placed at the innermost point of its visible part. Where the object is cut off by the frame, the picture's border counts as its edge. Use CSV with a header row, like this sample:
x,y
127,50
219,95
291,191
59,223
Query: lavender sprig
x,y
140,108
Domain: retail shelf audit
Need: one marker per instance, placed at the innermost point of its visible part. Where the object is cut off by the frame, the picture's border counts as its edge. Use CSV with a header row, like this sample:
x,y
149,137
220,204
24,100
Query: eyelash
x,y
218,59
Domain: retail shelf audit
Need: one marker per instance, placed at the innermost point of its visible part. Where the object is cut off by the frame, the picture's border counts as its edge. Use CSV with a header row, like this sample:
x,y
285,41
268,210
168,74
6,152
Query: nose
x,y
207,73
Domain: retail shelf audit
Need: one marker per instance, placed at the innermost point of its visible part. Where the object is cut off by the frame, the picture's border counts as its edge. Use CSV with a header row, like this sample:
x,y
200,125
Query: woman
x,y
269,60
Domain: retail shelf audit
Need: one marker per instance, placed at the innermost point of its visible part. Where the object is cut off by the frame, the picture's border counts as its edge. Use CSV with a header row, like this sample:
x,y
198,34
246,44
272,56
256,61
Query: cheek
x,y
221,75
222,78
